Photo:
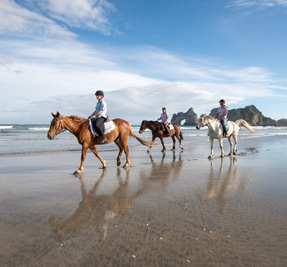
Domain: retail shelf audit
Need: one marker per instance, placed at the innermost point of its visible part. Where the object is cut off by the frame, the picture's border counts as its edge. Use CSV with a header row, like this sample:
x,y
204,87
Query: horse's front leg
x,y
149,149
95,151
163,146
211,148
173,139
83,157
221,147
235,144
231,145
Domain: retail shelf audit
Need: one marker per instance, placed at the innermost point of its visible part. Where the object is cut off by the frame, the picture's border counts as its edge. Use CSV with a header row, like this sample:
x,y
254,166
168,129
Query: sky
x,y
144,55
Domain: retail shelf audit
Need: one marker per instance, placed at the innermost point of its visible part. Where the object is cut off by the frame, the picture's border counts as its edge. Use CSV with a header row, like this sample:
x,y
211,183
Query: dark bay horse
x,y
80,128
157,131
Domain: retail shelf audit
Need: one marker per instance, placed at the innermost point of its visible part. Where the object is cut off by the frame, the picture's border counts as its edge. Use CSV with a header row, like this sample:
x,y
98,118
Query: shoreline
x,y
175,210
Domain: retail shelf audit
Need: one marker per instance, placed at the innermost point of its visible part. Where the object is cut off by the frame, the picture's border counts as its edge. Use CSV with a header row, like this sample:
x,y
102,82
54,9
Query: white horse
x,y
215,132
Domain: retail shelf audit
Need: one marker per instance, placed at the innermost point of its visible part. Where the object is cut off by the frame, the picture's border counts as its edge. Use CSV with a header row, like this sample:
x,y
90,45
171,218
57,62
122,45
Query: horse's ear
x,y
55,115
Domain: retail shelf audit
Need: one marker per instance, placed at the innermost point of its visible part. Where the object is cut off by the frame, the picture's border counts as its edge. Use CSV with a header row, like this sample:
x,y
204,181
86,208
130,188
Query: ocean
x,y
27,139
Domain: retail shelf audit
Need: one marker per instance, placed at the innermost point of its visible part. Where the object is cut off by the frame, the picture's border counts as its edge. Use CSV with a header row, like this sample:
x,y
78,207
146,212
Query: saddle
x,y
165,130
107,126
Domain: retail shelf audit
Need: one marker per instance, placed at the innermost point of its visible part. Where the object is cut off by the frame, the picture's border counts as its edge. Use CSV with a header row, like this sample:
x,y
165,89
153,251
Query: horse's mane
x,y
209,117
75,118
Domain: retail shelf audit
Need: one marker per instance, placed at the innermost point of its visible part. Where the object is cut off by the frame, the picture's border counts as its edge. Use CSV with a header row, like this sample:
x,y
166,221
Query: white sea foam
x,y
39,129
6,127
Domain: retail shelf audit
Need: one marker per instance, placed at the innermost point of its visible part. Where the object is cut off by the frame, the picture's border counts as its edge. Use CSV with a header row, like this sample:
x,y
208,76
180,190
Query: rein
x,y
68,128
209,123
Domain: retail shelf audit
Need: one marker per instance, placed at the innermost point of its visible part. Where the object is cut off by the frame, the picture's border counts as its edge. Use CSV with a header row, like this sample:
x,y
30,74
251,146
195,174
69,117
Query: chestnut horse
x,y
157,131
80,128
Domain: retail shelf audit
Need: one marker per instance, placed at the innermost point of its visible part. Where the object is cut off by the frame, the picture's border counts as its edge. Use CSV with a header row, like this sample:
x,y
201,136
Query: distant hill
x,y
250,113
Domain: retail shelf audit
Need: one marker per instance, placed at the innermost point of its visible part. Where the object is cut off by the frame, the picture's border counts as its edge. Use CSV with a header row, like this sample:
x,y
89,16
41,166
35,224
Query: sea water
x,y
21,139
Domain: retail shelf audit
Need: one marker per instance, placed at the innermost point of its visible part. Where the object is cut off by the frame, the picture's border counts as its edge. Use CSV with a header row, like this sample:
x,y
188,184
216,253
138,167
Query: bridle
x,y
208,123
68,128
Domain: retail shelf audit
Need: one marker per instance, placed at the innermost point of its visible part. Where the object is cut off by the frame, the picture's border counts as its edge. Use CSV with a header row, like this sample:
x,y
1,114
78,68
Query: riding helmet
x,y
99,92
163,108
222,101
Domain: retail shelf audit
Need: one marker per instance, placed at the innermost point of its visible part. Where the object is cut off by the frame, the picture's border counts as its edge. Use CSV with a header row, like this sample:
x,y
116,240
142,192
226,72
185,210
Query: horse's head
x,y
56,126
143,126
201,122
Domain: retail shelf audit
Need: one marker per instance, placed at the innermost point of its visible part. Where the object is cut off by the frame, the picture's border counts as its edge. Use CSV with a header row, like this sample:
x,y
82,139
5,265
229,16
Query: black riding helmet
x,y
222,101
99,92
163,108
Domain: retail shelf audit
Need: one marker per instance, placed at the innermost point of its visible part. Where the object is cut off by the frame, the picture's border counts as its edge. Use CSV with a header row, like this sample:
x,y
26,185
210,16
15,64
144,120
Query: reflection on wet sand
x,y
99,210
164,170
223,185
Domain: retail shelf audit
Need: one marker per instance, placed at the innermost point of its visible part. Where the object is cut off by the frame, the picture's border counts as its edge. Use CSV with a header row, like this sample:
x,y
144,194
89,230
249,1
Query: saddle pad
x,y
170,126
108,127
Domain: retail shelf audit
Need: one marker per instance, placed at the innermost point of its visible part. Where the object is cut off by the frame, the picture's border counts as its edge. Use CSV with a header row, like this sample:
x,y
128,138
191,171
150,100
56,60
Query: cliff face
x,y
190,117
251,114
282,122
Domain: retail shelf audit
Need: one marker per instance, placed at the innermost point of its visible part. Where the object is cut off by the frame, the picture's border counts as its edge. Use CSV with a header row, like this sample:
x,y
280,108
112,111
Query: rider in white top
x,y
221,115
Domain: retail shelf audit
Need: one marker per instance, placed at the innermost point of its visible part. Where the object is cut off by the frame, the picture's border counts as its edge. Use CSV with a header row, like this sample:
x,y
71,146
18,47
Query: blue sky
x,y
55,54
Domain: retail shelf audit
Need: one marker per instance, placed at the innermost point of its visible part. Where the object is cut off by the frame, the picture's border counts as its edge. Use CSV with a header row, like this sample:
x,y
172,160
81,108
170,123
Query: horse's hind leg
x,y
178,136
95,151
173,139
124,143
121,148
163,146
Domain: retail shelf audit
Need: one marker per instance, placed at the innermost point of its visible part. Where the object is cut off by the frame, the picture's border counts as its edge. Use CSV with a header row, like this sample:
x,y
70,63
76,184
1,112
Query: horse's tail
x,y
142,141
244,124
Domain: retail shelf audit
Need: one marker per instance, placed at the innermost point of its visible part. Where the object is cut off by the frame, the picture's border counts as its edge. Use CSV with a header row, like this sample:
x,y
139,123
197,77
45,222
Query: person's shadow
x,y
223,185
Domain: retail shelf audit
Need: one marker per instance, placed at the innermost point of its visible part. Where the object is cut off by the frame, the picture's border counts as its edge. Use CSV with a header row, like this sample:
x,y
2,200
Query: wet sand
x,y
175,210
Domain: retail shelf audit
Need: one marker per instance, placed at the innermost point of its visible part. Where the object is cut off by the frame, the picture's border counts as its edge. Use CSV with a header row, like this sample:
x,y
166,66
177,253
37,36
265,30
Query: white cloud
x,y
16,19
41,77
91,14
259,3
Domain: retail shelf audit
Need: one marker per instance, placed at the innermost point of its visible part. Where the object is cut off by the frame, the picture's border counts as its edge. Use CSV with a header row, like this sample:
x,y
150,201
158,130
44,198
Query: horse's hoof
x,y
126,166
181,147
209,157
222,156
77,172
163,151
172,149
118,164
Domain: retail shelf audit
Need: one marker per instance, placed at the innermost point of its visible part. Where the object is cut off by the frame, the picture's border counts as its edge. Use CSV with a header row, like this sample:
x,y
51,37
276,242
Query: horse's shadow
x,y
222,185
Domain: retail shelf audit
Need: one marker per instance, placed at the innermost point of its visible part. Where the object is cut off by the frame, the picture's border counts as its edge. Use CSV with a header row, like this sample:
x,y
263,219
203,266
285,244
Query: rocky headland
x,y
250,113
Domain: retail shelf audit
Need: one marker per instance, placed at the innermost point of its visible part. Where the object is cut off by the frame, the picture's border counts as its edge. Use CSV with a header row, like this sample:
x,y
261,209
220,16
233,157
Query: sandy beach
x,y
177,209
